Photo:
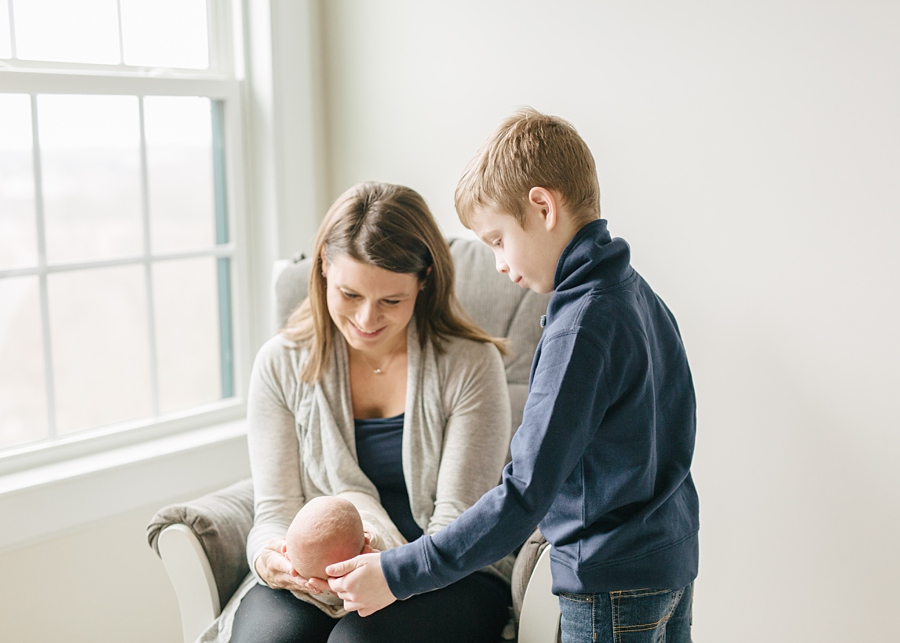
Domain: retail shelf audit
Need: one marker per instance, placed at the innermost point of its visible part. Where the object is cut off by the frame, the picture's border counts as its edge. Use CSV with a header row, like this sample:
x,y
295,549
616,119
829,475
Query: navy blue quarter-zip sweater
x,y
601,461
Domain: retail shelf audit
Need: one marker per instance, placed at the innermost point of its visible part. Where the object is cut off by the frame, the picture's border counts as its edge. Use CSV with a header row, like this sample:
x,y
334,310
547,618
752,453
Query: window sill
x,y
40,503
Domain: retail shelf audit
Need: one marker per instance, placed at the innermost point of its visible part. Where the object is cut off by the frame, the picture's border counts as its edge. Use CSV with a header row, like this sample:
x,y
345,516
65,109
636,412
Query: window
x,y
119,125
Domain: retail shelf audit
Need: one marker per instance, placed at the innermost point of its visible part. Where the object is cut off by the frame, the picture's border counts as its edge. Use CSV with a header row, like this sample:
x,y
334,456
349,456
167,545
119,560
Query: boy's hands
x,y
360,583
322,585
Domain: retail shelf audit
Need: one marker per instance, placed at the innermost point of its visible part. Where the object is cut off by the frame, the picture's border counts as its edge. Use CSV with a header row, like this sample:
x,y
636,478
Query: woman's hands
x,y
276,570
274,567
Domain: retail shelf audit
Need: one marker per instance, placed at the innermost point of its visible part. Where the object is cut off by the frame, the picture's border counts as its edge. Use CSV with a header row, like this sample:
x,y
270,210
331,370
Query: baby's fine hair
x,y
528,150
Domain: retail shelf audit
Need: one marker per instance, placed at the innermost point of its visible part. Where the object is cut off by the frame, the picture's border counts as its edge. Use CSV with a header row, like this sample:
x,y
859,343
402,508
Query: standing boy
x,y
601,461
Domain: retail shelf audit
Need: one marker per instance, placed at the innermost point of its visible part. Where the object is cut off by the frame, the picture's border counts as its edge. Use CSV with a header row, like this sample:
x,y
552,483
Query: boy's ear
x,y
546,203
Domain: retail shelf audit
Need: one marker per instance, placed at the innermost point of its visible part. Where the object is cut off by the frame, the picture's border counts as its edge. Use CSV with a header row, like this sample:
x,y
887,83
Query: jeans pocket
x,y
642,614
577,617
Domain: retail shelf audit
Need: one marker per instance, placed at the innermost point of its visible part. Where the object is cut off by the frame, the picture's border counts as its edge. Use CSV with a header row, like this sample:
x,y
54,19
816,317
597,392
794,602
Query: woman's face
x,y
370,306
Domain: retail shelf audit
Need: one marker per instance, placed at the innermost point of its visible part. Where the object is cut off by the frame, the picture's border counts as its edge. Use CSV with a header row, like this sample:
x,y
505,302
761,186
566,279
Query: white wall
x,y
74,557
97,584
750,152
745,150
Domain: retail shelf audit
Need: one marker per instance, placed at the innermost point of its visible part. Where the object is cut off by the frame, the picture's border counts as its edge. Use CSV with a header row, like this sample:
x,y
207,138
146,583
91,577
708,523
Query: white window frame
x,y
66,447
208,442
278,151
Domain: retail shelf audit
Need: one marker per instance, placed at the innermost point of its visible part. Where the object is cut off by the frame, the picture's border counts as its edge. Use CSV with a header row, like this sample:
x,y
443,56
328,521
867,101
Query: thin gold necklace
x,y
380,370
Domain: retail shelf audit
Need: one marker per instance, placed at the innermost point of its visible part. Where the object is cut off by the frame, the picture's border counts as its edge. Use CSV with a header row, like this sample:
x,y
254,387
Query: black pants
x,y
472,610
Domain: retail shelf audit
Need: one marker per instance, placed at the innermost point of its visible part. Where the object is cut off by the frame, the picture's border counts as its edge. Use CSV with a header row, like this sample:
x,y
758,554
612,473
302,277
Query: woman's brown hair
x,y
390,227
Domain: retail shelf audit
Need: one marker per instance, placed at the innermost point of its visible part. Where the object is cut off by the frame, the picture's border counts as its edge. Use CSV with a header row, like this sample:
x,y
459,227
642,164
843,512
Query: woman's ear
x,y
324,262
427,272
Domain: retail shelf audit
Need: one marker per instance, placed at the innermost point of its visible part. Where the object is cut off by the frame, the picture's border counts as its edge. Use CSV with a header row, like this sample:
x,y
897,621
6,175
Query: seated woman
x,y
380,390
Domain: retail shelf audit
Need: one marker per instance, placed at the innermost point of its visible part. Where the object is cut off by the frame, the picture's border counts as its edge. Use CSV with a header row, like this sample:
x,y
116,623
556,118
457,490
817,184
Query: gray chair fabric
x,y
526,559
503,309
221,520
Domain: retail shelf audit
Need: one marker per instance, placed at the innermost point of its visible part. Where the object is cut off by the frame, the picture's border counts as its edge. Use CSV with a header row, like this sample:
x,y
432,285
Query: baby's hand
x,y
318,586
368,548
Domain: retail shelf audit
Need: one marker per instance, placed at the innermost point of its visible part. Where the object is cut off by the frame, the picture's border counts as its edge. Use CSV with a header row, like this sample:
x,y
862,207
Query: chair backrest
x,y
496,304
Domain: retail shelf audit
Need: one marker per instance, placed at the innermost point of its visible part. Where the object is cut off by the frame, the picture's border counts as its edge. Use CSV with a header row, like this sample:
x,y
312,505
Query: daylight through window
x,y
116,260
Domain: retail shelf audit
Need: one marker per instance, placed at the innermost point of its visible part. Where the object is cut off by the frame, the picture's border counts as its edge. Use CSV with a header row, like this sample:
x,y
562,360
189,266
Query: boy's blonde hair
x,y
528,150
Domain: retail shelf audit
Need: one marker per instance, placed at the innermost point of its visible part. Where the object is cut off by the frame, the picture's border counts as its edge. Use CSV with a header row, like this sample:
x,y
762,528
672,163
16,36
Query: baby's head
x,y
326,530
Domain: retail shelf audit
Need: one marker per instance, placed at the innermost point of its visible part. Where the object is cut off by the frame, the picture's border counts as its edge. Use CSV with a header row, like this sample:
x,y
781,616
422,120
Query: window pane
x,y
78,31
101,355
18,231
90,159
178,132
187,332
23,396
5,50
165,33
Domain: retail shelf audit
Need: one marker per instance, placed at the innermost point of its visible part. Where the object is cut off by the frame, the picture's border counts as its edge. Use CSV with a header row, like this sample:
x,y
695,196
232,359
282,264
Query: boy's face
x,y
526,254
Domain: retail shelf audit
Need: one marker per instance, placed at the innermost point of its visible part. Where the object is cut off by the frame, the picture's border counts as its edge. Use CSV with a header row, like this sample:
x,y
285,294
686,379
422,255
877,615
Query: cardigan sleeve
x,y
274,451
477,430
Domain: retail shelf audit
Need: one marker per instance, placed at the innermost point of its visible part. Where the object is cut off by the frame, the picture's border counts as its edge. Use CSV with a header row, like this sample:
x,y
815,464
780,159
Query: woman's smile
x,y
370,306
366,333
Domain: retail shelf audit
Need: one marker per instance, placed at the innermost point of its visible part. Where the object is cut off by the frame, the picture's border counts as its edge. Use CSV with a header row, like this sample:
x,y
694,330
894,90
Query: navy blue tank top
x,y
378,449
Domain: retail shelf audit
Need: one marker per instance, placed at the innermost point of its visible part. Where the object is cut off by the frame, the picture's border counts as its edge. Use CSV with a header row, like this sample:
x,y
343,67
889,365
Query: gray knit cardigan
x,y
456,434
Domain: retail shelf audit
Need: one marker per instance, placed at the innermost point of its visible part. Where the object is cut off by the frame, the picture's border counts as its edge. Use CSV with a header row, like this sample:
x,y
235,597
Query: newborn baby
x,y
326,530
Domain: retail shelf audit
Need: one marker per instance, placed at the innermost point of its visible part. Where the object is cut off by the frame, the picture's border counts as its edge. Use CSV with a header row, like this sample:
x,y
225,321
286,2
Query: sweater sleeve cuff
x,y
406,569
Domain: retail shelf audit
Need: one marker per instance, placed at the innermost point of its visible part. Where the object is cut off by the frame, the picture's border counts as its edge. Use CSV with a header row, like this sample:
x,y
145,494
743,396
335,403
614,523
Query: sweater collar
x,y
592,255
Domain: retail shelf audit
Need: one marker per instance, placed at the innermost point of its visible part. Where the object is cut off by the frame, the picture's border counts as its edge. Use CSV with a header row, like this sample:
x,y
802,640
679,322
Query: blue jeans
x,y
633,616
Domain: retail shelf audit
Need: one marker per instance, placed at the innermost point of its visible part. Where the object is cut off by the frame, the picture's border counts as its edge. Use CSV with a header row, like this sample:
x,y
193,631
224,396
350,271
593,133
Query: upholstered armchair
x,y
202,542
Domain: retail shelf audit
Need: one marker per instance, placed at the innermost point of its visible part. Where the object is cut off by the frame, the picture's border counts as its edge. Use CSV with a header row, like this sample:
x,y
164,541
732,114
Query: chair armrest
x,y
191,576
220,522
535,606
